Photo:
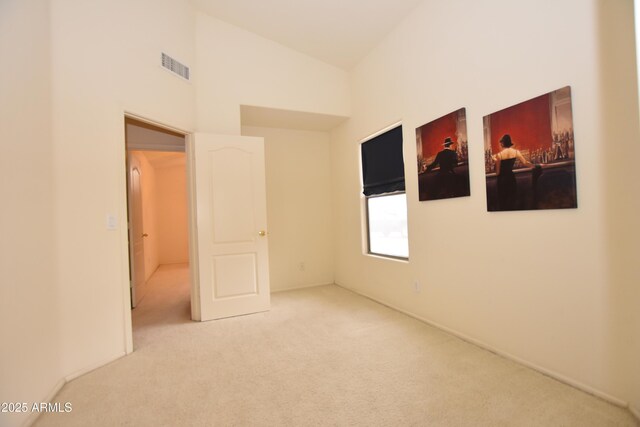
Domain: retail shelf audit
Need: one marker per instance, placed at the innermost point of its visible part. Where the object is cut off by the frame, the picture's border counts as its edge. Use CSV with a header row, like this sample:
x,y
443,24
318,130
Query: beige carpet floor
x,y
322,356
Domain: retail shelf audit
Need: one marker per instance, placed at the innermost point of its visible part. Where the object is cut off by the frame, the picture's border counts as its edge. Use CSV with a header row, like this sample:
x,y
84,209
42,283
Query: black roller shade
x,y
382,163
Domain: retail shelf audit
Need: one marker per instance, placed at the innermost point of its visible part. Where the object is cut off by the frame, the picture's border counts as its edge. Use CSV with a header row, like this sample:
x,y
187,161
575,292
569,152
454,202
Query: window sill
x,y
387,258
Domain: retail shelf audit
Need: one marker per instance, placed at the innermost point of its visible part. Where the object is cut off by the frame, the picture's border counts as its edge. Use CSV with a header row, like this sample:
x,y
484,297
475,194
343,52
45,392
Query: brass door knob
x,y
262,233
145,235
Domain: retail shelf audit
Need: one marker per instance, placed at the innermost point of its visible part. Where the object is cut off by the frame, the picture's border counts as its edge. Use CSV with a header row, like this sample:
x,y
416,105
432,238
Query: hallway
x,y
167,302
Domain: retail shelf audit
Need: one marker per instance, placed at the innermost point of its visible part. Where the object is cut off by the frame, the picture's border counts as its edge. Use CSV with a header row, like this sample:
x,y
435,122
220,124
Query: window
x,y
384,193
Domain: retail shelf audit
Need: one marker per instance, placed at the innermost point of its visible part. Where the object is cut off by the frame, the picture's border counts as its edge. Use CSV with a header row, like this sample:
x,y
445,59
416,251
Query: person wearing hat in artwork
x,y
506,180
447,159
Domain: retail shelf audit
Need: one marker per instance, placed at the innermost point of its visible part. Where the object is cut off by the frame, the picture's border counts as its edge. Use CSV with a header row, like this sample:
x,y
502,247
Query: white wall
x,y
547,287
105,60
29,327
236,67
172,212
298,180
620,105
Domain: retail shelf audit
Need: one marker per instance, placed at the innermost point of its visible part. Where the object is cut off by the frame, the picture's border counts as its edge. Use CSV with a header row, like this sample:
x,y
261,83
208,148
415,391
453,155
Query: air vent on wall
x,y
174,66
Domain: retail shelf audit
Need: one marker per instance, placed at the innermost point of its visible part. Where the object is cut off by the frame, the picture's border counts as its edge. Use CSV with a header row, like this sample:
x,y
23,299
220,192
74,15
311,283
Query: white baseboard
x,y
52,394
564,379
33,416
293,288
93,367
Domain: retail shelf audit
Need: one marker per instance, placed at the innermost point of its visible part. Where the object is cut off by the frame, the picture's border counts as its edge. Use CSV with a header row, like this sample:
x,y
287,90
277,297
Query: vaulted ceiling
x,y
338,32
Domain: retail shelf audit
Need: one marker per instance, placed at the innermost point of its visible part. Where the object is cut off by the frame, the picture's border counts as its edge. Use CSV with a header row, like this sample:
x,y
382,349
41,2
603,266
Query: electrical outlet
x,y
416,287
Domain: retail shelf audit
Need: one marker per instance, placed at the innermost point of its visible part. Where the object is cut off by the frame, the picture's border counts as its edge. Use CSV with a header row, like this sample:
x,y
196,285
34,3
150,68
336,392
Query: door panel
x,y
136,232
230,165
234,275
231,219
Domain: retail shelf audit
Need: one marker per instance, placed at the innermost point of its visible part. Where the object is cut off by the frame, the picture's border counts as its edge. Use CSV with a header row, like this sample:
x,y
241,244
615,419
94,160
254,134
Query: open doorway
x,y
158,225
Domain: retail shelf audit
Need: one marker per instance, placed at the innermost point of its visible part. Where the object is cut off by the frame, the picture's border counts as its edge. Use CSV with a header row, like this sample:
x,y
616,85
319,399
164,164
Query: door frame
x,y
124,231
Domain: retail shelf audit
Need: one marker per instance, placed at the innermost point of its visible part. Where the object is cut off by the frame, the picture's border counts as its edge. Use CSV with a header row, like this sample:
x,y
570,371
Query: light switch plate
x,y
112,222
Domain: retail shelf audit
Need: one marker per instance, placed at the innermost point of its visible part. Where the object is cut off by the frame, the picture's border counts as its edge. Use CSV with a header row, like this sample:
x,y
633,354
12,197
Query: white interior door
x,y
136,235
231,221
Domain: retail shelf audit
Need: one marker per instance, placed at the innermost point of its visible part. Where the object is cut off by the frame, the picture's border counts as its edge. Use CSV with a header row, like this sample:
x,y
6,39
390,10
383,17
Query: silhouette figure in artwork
x,y
506,179
447,159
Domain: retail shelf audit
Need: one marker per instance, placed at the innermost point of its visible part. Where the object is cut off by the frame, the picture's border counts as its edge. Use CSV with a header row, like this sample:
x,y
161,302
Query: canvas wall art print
x,y
530,155
443,157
